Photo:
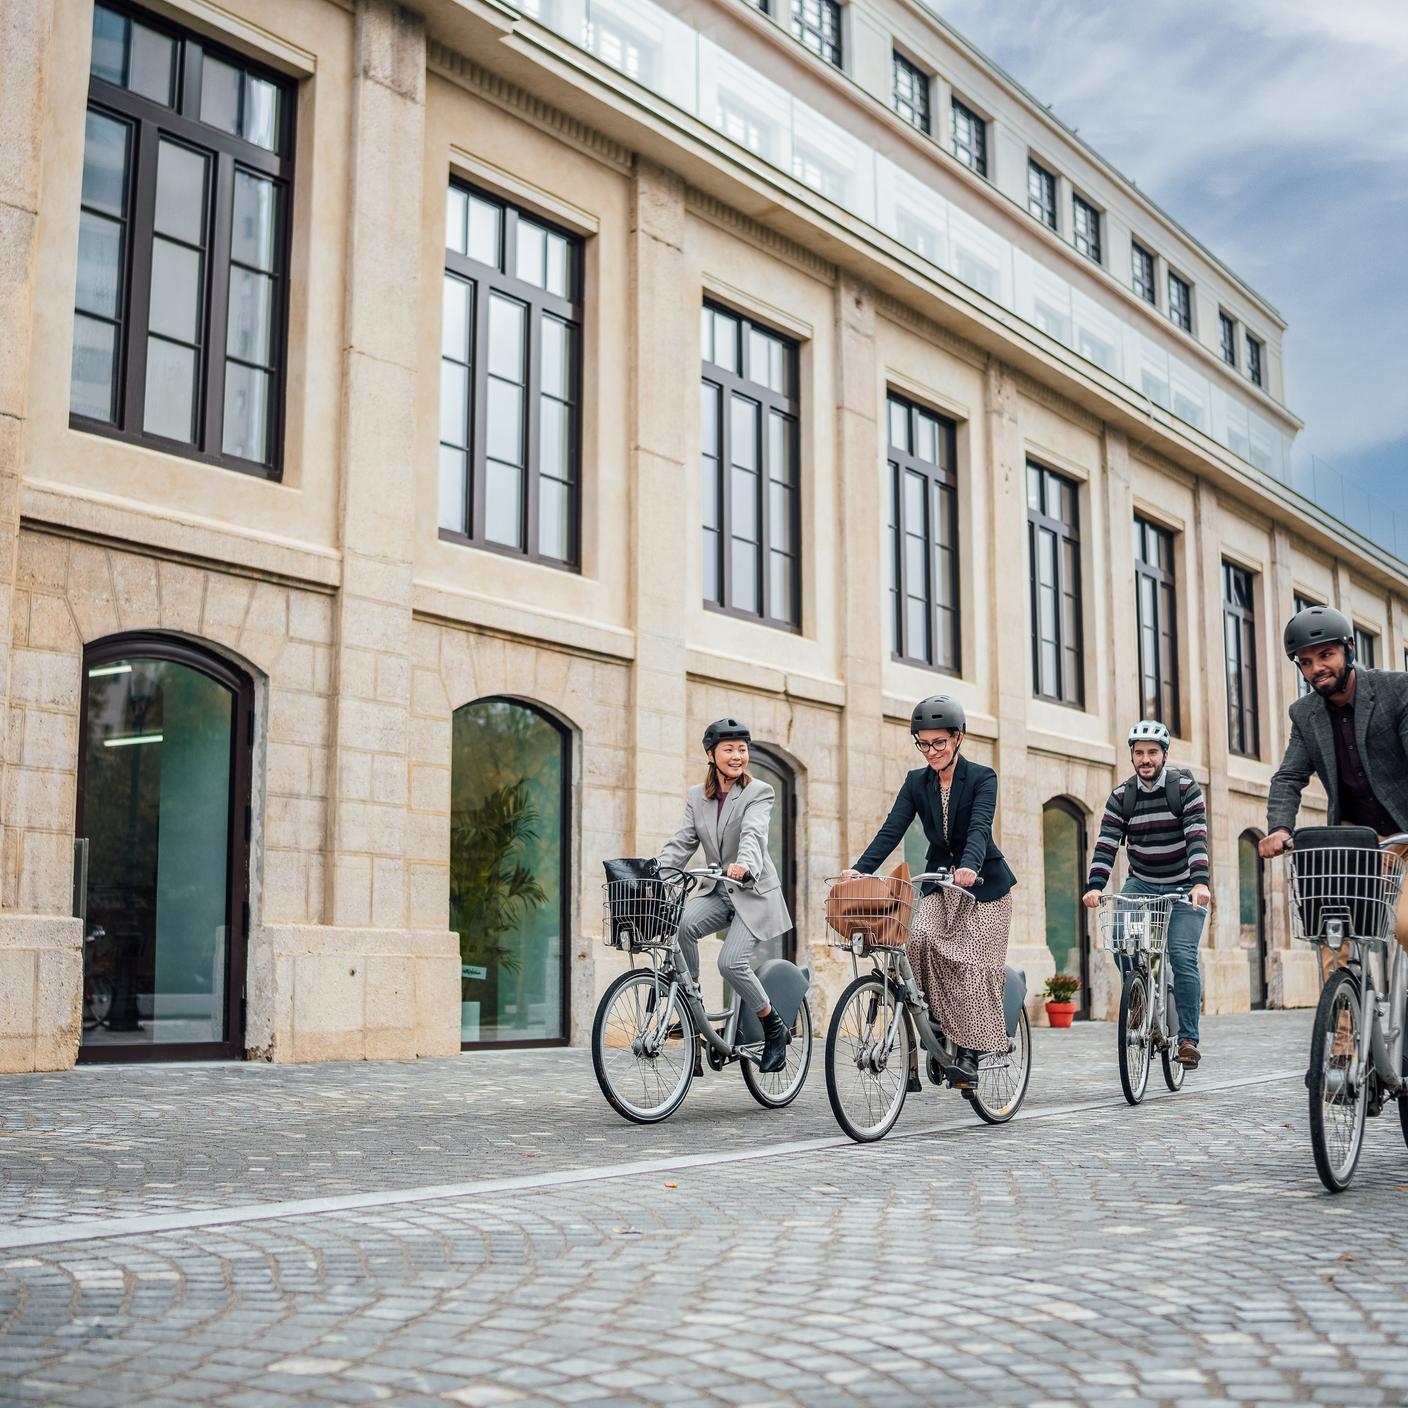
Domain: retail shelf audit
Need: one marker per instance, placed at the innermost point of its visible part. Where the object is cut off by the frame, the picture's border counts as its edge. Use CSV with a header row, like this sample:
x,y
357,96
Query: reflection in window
x,y
1143,272
1227,332
1239,643
1063,878
1085,228
1251,914
817,23
1254,360
1041,193
1053,546
1180,302
1157,609
911,92
509,818
970,138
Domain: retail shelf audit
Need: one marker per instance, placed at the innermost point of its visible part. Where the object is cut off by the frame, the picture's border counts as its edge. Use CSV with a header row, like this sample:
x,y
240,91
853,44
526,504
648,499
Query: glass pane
x,y
706,335
745,577
725,339
899,424
503,504
453,477
151,64
914,487
780,517
109,61
246,428
917,628
532,252
559,265
176,291
757,368
1033,487
711,565
506,337
780,603
743,433
509,812
99,265
485,242
255,222
220,94
926,438
456,218
781,458
504,421
91,377
170,407
455,324
554,519
744,504
251,318
261,112
709,491
105,164
156,786
709,418
554,437
180,193
555,359
454,404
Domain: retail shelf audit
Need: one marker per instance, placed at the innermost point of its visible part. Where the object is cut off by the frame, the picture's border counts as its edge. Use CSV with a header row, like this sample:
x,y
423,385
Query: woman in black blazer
x,y
958,949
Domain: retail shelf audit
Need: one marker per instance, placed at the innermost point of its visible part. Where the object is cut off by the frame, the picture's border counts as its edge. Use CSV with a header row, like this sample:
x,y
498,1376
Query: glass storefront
x,y
1063,867
509,814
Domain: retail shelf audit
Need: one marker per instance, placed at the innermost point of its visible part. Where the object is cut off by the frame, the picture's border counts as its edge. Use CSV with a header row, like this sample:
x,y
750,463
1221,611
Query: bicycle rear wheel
x,y
778,1088
865,1084
1002,1079
644,1088
1337,1106
1134,1046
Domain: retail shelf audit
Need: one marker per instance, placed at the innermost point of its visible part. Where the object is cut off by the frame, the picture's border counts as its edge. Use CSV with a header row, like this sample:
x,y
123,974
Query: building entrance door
x,y
1064,859
163,803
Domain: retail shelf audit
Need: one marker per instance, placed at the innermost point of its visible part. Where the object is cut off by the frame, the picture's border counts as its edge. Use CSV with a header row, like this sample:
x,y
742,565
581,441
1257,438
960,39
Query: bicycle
x,y
1134,928
1345,896
871,1049
651,1022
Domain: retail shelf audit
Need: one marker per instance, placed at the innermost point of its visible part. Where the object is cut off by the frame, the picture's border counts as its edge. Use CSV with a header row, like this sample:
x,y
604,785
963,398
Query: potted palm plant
x,y
1060,989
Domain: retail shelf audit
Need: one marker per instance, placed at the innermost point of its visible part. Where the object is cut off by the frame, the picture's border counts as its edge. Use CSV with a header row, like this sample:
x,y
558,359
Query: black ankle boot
x,y
775,1039
963,1074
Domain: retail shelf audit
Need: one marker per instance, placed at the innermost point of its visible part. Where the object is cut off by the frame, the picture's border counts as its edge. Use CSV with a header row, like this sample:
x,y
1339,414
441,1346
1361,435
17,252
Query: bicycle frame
x,y
1381,1039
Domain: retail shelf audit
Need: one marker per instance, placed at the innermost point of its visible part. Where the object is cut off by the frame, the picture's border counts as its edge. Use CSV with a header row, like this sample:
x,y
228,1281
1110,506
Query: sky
x,y
1275,132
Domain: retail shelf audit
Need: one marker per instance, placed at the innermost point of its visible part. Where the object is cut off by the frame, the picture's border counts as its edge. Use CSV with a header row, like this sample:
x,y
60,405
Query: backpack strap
x,y
1128,802
1173,796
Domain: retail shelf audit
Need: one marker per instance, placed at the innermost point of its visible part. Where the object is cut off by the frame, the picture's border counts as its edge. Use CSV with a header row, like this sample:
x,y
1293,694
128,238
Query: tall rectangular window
x,y
1239,645
1041,193
970,138
911,95
749,472
817,23
1180,302
1143,273
1227,331
1366,648
1085,228
1156,599
1299,603
923,536
1053,543
510,380
1254,360
182,291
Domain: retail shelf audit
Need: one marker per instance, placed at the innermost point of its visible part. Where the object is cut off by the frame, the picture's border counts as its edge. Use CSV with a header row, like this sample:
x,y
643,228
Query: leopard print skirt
x,y
958,950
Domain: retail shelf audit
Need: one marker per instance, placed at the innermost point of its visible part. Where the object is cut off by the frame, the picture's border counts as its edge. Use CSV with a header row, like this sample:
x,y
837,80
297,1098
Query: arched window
x,y
1252,913
163,821
768,767
510,814
1064,866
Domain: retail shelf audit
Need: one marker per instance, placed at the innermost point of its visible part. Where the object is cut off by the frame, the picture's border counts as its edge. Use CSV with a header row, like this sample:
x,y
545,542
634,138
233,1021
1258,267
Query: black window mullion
x,y
726,494
479,400
146,140
897,554
763,497
533,410
188,87
217,284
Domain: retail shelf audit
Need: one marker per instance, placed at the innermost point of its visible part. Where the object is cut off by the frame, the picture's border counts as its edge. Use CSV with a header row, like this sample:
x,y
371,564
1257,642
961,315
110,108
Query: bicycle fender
x,y
786,985
1014,995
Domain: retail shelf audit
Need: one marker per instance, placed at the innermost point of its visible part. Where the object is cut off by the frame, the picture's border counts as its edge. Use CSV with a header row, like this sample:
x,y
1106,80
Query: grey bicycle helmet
x,y
1318,625
938,711
1149,731
721,730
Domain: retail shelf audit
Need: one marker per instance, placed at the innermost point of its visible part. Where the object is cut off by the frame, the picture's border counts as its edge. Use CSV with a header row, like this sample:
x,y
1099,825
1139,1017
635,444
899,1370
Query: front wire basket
x,y
866,912
644,913
1135,924
1343,892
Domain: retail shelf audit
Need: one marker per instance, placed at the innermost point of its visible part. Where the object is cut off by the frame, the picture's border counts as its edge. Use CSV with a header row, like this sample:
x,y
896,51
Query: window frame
x,y
788,404
1164,584
1256,361
978,125
1227,337
1243,717
833,53
1070,693
1088,243
1146,292
149,121
921,84
485,280
1038,206
939,478
1301,603
1366,647
1185,305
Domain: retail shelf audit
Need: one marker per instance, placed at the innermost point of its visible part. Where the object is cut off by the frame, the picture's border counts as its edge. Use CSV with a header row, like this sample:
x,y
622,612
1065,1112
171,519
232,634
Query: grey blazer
x,y
1381,730
739,836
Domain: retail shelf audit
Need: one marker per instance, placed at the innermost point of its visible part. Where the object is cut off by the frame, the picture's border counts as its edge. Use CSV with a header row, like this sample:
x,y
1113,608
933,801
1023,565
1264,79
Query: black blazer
x,y
972,804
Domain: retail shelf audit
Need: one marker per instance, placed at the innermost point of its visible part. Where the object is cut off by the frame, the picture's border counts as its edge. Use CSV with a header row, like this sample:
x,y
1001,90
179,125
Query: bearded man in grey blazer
x,y
728,815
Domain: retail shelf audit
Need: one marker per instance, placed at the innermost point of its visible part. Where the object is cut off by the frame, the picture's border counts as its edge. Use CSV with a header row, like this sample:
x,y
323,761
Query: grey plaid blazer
x,y
1381,729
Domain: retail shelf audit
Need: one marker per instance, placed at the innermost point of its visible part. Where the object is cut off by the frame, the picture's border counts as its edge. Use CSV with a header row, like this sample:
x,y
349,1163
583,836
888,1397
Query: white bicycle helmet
x,y
1149,731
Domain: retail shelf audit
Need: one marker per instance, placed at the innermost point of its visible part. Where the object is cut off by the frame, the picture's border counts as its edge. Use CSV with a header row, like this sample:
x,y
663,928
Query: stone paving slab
x,y
106,1141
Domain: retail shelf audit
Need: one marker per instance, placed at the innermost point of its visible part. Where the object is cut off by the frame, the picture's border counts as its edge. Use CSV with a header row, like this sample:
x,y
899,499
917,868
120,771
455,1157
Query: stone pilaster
x,y
1122,649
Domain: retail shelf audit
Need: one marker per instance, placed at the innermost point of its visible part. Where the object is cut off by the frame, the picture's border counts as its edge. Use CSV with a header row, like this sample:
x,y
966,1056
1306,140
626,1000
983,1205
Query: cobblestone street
x,y
483,1230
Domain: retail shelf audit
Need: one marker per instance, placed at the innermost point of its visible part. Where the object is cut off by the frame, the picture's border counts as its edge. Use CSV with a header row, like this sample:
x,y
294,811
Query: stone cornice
x,y
710,208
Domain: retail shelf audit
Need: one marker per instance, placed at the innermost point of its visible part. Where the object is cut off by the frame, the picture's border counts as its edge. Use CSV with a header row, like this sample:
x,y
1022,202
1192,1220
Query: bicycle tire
x,y
778,1089
680,1062
1134,1055
1174,1072
887,1106
1403,1098
1336,1123
1012,1094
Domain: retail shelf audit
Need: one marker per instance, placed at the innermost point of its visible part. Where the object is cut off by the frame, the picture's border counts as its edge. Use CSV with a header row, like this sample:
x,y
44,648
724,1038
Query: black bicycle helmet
x,y
938,711
723,729
1318,625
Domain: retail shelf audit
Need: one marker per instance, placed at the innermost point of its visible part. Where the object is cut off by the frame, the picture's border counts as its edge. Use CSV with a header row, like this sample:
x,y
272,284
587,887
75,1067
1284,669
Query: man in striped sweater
x,y
1160,816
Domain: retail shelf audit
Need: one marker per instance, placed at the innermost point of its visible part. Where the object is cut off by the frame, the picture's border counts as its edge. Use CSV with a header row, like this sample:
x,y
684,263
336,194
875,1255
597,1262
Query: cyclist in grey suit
x,y
728,816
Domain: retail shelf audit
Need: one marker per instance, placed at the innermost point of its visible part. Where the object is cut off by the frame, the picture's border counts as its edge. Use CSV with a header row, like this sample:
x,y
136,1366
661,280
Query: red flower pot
x,y
1059,1014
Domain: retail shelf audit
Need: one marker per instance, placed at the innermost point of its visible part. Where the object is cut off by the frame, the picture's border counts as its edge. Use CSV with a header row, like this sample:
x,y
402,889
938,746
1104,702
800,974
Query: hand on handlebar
x,y
738,872
965,878
1274,844
1091,899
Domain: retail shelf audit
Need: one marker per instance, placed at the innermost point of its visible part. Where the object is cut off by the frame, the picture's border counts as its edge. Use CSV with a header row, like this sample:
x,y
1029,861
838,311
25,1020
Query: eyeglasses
x,y
924,747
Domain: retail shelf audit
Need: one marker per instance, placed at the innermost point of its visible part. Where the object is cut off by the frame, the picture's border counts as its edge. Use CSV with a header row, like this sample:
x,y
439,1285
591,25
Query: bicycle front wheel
x,y
1134,1037
865,1083
1338,1095
1173,1071
641,1082
775,1089
1002,1079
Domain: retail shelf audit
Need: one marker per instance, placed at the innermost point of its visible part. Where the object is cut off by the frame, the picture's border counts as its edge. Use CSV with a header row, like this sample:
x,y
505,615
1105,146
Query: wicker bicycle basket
x,y
643,913
1130,926
873,909
1343,892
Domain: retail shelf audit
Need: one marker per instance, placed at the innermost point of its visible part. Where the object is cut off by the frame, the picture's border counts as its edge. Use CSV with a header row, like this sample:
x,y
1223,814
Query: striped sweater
x,y
1162,849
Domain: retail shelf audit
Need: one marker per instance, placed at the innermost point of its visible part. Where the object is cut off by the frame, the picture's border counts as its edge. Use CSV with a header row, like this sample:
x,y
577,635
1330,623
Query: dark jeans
x,y
1185,932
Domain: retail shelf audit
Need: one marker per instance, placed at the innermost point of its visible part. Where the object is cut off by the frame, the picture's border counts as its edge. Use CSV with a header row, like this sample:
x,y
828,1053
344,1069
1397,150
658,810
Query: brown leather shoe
x,y
1188,1055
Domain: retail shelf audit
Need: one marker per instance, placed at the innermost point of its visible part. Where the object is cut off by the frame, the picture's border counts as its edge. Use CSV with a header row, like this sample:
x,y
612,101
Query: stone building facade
x,y
322,564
